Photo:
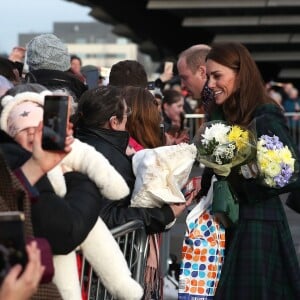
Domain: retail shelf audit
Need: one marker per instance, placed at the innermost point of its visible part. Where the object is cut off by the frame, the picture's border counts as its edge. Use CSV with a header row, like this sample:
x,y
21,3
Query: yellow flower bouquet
x,y
275,162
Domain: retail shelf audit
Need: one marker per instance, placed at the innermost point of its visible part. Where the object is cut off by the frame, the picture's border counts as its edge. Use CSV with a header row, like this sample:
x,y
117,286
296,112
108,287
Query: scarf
x,y
153,279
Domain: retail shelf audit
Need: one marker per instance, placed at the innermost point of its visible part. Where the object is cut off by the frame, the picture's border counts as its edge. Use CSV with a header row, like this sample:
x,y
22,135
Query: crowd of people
x,y
120,119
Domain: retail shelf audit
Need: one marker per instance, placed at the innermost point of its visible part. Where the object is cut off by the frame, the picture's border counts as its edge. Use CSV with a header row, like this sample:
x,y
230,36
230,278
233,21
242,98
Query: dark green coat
x,y
260,261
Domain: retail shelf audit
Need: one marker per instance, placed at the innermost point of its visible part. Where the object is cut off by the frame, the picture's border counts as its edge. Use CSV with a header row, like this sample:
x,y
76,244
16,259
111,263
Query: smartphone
x,y
92,78
274,83
168,66
55,119
12,241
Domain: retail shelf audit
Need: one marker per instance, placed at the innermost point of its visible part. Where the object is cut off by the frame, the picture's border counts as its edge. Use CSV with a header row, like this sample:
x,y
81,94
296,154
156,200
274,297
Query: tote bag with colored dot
x,y
202,252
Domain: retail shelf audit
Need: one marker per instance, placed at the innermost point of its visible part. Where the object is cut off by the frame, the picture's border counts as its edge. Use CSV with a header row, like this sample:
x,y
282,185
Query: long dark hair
x,y
250,91
98,105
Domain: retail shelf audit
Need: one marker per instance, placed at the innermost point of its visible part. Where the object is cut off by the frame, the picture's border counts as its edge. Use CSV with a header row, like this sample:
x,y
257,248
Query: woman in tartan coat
x,y
260,261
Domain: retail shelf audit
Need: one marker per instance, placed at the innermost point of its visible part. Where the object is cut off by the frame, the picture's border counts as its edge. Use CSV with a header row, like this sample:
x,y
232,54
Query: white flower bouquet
x,y
222,146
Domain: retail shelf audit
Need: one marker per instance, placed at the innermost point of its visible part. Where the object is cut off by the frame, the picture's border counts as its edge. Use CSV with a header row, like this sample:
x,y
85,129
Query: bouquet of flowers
x,y
275,162
222,146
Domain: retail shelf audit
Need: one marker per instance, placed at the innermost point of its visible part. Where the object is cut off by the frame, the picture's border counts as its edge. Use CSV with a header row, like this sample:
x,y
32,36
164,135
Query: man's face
x,y
76,65
192,82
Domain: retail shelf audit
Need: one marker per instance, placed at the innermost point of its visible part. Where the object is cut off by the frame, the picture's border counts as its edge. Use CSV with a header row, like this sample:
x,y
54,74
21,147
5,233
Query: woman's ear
x,y
113,122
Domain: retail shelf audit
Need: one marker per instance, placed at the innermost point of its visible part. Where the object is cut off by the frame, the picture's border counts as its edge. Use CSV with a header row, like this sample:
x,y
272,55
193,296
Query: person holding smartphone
x,y
166,74
60,215
19,119
54,218
22,286
17,193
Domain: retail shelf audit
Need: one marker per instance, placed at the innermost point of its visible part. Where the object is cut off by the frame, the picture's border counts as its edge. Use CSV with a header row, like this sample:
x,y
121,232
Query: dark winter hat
x,y
47,51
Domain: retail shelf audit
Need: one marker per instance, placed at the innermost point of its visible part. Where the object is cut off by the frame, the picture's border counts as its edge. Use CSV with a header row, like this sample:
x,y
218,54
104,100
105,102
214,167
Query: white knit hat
x,y
22,111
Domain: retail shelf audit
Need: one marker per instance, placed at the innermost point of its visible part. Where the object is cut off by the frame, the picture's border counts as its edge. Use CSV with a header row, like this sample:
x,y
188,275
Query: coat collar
x,y
118,139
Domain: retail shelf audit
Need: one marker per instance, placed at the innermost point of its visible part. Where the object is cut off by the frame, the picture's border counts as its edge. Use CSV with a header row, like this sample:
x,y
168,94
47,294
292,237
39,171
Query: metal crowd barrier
x,y
193,122
133,242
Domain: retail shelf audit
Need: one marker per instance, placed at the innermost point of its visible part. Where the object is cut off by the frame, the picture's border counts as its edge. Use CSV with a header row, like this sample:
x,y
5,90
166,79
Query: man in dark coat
x,y
49,61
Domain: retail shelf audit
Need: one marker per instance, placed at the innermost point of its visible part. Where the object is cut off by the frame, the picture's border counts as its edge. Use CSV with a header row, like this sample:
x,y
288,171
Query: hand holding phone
x,y
168,67
168,71
55,119
12,241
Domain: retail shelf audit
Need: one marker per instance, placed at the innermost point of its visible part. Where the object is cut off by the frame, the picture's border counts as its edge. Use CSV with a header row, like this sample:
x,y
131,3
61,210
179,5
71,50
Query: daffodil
x,y
239,136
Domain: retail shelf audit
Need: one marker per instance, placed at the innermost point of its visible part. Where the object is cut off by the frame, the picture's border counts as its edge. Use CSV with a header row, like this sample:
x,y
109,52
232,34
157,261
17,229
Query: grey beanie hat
x,y
47,51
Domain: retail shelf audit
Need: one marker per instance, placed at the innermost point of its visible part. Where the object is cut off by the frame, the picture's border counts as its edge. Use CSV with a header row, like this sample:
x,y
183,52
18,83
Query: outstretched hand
x,y
179,208
17,54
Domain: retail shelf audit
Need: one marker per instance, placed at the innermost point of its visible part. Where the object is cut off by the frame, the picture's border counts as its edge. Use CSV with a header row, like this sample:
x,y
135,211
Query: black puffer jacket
x,y
54,79
112,144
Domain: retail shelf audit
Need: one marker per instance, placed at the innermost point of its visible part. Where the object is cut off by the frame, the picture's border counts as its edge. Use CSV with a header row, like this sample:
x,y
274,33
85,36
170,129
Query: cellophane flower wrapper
x,y
276,163
222,146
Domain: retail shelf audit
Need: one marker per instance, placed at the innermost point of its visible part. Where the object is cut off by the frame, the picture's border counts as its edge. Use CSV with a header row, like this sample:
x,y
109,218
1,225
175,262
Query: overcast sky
x,y
31,16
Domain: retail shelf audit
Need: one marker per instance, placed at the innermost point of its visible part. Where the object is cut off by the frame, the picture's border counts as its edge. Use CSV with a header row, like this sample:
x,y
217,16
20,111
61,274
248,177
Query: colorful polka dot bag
x,y
202,253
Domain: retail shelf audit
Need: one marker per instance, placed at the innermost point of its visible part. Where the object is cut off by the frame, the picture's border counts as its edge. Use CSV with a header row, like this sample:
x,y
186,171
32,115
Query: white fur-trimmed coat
x,y
99,247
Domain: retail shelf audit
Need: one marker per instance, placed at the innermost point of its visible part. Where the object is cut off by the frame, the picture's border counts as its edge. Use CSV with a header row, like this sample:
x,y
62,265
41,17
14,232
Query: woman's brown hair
x,y
143,123
250,91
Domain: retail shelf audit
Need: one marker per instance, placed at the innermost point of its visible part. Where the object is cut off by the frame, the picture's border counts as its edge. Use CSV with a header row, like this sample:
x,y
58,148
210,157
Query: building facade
x,y
95,44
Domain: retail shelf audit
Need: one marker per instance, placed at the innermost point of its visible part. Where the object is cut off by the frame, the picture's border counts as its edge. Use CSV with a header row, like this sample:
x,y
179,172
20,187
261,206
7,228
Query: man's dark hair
x,y
73,56
128,73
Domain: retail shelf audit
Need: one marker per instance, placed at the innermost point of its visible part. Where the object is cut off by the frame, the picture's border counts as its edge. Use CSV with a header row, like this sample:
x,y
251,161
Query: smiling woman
x,y
261,240
221,80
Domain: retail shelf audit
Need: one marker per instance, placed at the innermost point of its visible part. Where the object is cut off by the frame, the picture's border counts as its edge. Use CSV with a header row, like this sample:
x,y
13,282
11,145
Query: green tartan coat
x,y
260,261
